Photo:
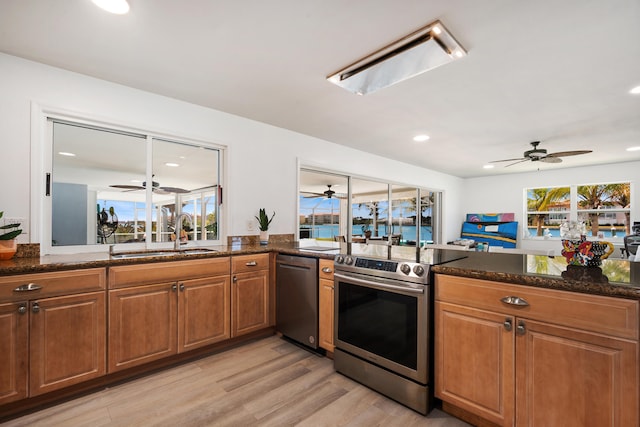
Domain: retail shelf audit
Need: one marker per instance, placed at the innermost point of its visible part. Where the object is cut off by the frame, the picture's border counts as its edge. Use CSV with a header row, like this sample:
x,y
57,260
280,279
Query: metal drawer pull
x,y
327,270
512,300
521,329
35,307
507,324
251,264
30,287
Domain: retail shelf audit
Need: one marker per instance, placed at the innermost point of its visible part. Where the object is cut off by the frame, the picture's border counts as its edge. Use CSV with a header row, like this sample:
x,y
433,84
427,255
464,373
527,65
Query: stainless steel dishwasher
x,y
297,298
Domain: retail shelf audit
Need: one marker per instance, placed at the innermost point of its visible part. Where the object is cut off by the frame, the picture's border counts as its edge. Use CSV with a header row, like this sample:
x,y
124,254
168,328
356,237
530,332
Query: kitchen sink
x,y
186,251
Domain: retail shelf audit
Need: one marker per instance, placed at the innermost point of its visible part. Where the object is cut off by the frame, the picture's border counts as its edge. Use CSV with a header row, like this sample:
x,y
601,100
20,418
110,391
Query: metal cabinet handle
x,y
235,279
181,287
508,324
251,264
174,287
29,287
327,270
520,329
514,300
22,309
35,307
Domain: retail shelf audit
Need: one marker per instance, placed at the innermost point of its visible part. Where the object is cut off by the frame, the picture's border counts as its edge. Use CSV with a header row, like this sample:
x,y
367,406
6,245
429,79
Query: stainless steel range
x,y
383,325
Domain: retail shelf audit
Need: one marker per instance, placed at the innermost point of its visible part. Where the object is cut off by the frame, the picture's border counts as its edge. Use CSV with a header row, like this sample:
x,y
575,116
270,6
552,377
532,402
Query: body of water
x,y
555,232
408,232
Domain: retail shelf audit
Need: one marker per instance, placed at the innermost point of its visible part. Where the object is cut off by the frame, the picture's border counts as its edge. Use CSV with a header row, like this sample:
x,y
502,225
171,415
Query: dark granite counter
x,y
616,277
48,263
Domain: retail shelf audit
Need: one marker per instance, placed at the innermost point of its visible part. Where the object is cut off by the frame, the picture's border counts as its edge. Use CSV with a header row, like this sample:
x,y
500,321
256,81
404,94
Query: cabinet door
x,y
573,378
142,324
325,306
249,302
67,341
203,312
474,361
14,345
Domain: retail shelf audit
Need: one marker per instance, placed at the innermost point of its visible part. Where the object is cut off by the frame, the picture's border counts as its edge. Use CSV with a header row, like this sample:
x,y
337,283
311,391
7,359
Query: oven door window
x,y
381,322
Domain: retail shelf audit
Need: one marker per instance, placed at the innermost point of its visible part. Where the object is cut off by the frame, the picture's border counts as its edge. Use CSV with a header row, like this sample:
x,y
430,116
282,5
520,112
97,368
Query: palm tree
x,y
621,196
595,197
540,199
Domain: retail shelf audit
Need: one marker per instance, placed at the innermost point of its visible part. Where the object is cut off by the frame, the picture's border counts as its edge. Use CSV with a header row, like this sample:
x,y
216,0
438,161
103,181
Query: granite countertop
x,y
48,263
616,277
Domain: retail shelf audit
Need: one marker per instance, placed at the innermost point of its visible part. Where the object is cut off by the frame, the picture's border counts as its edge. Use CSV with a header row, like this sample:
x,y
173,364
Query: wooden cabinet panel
x,y
142,324
247,263
14,346
326,313
575,379
53,284
249,302
474,362
203,312
67,341
142,274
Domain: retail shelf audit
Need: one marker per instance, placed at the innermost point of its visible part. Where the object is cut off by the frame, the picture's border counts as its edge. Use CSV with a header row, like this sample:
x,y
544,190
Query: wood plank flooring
x,y
269,382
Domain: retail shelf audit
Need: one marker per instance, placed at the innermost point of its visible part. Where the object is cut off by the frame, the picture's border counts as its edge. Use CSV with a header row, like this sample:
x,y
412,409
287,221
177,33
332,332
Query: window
x,y
100,193
604,208
342,208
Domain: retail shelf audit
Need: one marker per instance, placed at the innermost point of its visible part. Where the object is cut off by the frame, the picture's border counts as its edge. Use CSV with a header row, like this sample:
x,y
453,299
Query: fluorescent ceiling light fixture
x,y
421,138
635,90
66,153
119,7
488,166
633,148
172,165
423,50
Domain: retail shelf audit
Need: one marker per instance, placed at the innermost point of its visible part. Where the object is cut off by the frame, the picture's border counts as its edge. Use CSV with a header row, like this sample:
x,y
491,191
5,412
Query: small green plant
x,y
263,220
9,231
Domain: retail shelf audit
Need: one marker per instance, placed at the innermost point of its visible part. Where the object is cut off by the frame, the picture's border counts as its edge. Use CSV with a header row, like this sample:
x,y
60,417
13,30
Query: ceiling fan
x,y
155,188
540,155
328,193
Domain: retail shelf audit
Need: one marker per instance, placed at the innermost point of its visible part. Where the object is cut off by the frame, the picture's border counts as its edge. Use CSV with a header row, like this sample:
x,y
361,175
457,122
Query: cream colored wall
x,y
262,160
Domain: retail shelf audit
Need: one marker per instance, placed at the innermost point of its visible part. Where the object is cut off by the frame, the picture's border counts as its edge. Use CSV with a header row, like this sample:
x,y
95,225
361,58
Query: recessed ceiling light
x,y
421,138
637,148
118,7
635,90
488,167
172,165
65,153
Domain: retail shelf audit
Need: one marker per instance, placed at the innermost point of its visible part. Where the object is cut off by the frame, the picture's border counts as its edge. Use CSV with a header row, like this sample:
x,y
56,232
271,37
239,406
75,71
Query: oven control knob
x,y
348,260
418,270
405,268
339,259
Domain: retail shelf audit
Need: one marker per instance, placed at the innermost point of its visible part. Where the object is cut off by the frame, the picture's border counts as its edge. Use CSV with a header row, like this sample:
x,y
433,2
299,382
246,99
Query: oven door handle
x,y
378,285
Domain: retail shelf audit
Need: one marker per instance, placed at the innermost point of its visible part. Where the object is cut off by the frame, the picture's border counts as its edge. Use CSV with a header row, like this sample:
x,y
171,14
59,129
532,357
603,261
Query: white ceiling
x,y
549,70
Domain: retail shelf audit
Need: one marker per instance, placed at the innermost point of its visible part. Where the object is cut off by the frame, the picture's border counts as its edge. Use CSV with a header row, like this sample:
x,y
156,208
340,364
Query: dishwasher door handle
x,y
294,267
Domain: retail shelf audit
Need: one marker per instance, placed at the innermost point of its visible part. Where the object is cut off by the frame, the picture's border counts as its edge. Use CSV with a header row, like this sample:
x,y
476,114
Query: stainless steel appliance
x,y
297,298
383,325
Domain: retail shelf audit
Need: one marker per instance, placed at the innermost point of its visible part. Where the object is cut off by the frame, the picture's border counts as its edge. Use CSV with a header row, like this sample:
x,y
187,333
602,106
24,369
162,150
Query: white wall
x,y
505,193
262,159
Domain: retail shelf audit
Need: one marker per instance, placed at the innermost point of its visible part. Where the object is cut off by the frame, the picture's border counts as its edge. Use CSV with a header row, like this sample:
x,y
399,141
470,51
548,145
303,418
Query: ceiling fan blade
x,y
509,160
549,159
519,161
173,190
128,187
569,153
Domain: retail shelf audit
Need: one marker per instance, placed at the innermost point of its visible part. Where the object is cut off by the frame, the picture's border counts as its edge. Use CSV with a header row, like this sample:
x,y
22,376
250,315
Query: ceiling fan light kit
x,y
420,51
540,155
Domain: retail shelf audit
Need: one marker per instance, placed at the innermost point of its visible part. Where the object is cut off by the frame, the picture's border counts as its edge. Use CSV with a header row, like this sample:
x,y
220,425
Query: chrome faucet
x,y
179,227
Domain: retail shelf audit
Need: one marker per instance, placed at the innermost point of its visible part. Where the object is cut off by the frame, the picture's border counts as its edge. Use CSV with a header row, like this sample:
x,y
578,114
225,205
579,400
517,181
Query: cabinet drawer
x,y
608,315
52,284
325,270
138,274
245,263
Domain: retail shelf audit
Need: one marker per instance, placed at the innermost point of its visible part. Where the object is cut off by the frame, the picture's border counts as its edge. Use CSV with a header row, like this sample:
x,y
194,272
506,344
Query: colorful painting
x,y
491,217
503,234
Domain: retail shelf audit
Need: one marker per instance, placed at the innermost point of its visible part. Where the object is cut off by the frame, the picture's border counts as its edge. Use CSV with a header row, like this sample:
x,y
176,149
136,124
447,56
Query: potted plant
x,y
263,224
8,234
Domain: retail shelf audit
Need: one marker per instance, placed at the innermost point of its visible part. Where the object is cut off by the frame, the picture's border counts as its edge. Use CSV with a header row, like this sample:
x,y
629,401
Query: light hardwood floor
x,y
269,382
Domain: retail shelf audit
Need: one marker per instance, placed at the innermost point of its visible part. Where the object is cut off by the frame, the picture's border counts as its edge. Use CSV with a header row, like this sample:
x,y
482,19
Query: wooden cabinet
x,y
557,358
326,304
47,341
157,310
250,293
